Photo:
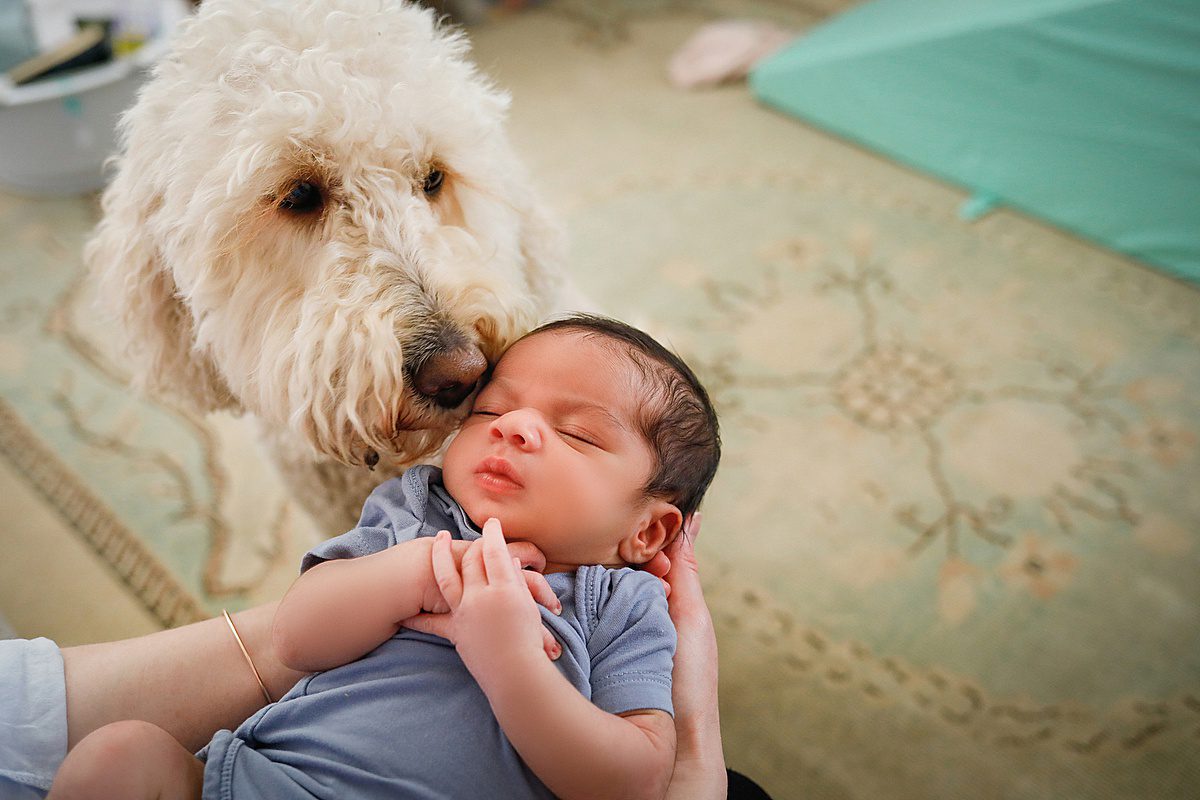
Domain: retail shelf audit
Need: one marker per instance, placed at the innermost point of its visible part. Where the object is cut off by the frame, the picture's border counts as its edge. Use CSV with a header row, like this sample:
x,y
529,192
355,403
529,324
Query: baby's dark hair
x,y
678,420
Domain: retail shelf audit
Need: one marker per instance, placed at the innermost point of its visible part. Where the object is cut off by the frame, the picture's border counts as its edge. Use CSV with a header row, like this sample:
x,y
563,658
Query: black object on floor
x,y
742,788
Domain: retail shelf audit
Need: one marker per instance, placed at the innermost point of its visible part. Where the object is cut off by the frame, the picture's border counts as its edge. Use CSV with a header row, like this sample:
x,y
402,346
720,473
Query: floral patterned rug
x,y
952,550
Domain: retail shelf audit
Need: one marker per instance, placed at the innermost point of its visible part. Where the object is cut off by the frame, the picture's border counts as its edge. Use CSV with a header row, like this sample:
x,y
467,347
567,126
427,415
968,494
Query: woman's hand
x,y
699,759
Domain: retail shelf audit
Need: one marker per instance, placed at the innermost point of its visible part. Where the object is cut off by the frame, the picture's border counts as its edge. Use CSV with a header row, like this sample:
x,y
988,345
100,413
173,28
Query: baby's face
x,y
552,451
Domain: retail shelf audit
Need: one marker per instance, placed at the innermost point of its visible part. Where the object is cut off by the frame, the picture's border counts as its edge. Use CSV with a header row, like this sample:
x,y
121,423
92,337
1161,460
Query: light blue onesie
x,y
407,720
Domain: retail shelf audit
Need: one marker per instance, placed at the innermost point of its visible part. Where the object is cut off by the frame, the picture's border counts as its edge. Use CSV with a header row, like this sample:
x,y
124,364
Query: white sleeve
x,y
33,717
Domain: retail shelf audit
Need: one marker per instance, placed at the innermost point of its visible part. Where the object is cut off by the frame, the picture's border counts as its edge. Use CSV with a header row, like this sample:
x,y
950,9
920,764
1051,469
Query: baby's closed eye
x,y
580,435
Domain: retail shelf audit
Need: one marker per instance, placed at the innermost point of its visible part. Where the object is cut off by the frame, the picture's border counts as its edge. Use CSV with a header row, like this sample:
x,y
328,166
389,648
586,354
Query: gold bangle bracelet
x,y
246,653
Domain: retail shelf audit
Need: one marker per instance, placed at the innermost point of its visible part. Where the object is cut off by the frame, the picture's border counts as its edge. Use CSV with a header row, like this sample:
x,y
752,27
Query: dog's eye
x,y
303,198
433,182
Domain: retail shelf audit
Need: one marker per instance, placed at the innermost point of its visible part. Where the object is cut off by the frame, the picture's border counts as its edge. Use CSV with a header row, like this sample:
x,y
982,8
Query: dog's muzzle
x,y
449,373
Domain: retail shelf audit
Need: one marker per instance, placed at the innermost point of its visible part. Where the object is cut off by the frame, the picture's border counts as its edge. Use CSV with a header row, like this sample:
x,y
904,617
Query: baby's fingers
x,y
473,573
543,595
497,561
529,554
445,571
438,624
550,645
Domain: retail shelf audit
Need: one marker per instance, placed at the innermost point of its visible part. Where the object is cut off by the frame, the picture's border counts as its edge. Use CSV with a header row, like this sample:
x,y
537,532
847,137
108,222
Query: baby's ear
x,y
657,527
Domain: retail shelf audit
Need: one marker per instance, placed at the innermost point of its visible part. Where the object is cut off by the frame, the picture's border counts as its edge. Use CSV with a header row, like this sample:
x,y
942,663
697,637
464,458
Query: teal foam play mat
x,y
1085,113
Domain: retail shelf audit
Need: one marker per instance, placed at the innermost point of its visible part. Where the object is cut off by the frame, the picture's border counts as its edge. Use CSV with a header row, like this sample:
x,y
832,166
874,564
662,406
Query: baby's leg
x,y
130,759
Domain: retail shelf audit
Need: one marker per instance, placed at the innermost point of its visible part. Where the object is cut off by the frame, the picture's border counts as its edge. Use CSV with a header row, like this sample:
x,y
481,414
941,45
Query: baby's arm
x,y
577,749
342,609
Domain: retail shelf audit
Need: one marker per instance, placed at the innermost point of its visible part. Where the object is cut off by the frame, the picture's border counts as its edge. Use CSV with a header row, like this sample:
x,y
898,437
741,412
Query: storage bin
x,y
56,133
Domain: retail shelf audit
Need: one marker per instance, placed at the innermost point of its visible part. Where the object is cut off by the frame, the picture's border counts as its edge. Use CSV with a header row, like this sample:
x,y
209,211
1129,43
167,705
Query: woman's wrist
x,y
698,781
698,739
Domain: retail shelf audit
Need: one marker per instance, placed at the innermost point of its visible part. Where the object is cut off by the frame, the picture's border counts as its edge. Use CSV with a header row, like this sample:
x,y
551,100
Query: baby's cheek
x,y
457,463
450,479
566,500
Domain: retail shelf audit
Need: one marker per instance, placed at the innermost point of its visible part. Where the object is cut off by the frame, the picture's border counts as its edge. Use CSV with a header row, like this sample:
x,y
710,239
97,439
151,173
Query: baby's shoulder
x,y
602,591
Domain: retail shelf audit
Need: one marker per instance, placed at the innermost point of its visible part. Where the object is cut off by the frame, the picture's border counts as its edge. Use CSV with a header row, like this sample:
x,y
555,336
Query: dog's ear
x,y
153,325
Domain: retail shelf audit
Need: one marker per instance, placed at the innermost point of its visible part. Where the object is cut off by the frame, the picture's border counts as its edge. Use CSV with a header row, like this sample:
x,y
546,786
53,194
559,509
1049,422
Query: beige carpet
x,y
952,551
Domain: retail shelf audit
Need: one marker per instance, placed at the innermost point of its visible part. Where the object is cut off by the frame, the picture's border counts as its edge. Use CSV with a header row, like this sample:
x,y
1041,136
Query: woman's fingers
x,y
445,571
691,528
496,560
659,566
694,686
686,596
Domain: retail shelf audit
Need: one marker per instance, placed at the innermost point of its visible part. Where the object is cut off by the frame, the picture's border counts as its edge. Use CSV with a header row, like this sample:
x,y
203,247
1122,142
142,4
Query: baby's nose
x,y
521,428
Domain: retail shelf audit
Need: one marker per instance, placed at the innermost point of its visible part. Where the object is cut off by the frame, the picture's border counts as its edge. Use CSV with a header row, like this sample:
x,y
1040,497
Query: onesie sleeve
x,y
631,640
388,518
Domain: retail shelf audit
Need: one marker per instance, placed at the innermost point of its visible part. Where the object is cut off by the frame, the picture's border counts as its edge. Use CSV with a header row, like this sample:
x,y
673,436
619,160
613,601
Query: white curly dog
x,y
317,219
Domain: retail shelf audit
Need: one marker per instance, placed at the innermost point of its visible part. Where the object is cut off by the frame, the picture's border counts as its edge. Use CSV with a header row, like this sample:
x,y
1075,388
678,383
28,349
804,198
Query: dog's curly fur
x,y
275,239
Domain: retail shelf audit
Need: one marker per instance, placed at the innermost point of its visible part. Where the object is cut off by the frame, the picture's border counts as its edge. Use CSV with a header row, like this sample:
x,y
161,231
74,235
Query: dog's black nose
x,y
448,376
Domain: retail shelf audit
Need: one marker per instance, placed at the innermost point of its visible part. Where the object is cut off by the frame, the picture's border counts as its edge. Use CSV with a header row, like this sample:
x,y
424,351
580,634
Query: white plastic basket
x,y
56,133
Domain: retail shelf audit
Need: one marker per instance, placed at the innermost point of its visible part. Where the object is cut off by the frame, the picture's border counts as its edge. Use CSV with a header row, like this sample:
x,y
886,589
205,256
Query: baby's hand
x,y
433,603
491,602
449,560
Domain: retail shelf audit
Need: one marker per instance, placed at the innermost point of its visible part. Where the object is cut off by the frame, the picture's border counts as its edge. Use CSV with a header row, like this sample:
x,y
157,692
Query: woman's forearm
x,y
700,760
191,681
575,748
